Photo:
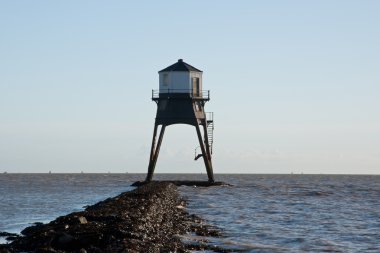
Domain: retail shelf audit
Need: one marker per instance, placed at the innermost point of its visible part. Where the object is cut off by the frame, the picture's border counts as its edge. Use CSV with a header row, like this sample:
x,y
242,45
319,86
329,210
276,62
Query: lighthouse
x,y
180,99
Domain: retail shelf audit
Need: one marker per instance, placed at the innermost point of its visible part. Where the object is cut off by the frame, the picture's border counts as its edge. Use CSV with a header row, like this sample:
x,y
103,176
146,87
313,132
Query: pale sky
x,y
295,85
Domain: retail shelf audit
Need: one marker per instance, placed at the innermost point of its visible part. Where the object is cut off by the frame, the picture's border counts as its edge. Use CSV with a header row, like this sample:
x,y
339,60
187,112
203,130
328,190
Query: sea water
x,y
293,213
259,213
29,198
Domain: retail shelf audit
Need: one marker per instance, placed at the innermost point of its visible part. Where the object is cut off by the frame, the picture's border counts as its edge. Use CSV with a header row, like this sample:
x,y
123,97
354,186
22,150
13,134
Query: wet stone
x,y
82,220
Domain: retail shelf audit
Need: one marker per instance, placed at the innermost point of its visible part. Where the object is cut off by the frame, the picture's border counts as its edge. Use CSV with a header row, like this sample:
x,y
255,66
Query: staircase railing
x,y
210,129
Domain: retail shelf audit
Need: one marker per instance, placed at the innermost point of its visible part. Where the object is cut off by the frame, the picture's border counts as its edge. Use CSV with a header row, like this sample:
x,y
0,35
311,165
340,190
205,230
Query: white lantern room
x,y
181,78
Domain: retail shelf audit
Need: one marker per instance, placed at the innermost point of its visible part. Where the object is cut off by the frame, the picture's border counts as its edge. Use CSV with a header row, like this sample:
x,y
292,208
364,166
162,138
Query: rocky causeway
x,y
150,218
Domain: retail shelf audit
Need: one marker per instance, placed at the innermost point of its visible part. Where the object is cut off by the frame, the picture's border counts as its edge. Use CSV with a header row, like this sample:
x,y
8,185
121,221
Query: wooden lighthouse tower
x,y
181,100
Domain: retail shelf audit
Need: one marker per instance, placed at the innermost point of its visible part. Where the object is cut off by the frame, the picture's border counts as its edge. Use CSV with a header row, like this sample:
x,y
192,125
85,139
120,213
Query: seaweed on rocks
x,y
150,218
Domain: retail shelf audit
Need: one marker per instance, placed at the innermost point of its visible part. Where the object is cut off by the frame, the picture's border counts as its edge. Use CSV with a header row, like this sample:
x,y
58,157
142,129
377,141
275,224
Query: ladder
x,y
210,129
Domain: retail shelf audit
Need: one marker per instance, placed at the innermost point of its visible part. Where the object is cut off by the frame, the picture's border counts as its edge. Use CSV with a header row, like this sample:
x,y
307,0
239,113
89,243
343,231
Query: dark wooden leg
x,y
154,151
153,147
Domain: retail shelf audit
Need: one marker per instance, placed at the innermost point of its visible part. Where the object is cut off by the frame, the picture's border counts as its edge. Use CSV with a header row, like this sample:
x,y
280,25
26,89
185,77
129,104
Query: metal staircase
x,y
210,129
210,134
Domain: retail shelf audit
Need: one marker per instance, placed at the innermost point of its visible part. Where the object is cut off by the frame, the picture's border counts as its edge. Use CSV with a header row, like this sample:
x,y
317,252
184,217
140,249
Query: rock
x,y
32,229
9,236
82,220
46,250
4,234
63,241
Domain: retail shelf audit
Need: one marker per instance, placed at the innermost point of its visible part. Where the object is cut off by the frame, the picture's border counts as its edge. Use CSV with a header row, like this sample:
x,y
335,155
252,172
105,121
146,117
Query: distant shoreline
x,y
177,173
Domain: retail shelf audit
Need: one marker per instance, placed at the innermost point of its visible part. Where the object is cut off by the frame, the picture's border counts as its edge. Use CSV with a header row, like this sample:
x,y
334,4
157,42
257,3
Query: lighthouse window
x,y
165,79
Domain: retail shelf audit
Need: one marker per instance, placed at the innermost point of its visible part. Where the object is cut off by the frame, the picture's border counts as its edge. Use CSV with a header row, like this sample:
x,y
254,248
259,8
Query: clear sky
x,y
295,85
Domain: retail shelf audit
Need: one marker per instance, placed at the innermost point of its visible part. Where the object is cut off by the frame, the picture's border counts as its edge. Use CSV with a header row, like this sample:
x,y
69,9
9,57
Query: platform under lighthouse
x,y
181,100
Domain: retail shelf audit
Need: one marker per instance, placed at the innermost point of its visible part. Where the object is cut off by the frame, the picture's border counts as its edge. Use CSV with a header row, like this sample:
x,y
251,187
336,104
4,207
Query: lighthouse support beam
x,y
205,154
155,150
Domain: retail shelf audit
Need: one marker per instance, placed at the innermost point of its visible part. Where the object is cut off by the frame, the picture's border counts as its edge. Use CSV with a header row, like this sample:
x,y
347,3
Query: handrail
x,y
210,116
204,94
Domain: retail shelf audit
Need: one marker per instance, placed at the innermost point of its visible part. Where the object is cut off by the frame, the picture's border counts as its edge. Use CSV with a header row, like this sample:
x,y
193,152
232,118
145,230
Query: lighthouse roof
x,y
180,65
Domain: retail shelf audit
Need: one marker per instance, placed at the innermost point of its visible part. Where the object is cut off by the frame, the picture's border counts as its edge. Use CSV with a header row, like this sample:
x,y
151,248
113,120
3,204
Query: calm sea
x,y
260,213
